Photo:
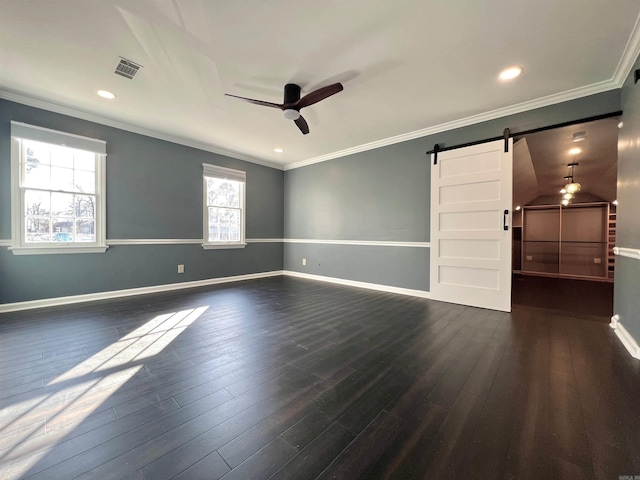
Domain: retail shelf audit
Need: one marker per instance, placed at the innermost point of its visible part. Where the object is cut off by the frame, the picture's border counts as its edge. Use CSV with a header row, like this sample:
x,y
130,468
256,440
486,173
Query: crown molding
x,y
110,122
553,99
626,63
627,60
629,56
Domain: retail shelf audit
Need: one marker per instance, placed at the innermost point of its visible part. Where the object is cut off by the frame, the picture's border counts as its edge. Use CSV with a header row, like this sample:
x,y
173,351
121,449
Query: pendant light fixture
x,y
572,186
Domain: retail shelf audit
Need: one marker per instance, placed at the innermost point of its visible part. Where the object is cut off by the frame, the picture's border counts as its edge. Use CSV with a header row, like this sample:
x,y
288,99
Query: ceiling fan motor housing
x,y
291,93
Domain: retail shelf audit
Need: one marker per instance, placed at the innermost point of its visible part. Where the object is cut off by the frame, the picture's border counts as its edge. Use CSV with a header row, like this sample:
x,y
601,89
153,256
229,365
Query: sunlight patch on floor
x,y
82,389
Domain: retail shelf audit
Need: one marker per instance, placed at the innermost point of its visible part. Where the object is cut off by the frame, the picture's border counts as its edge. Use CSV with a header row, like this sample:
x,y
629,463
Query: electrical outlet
x,y
180,268
529,258
597,260
304,261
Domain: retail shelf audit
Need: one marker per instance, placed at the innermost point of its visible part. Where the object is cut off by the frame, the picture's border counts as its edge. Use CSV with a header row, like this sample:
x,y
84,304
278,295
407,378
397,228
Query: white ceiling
x,y
409,67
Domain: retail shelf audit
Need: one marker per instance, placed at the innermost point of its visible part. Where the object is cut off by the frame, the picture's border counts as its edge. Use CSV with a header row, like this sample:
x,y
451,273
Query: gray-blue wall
x,y
154,190
384,195
627,270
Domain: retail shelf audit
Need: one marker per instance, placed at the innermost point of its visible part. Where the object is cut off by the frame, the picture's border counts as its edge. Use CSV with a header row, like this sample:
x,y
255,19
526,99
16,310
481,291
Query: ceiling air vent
x,y
127,68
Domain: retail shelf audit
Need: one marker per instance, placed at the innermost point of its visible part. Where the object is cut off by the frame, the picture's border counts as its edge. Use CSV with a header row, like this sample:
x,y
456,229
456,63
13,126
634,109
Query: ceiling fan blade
x,y
302,125
256,102
320,94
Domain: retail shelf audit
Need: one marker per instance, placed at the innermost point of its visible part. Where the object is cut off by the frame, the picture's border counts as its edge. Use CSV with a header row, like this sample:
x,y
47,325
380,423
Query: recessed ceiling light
x,y
621,124
575,151
278,150
106,94
518,208
615,202
510,73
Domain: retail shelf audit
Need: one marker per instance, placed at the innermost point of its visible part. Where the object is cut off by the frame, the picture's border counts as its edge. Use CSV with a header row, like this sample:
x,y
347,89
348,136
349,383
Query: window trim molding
x,y
18,245
64,249
209,170
220,246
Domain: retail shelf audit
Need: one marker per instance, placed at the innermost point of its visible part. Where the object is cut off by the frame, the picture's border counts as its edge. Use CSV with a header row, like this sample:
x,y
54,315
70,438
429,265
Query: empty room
x,y
319,240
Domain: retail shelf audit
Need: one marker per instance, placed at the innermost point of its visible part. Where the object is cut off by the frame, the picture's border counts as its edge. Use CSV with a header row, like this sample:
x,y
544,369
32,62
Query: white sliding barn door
x,y
470,248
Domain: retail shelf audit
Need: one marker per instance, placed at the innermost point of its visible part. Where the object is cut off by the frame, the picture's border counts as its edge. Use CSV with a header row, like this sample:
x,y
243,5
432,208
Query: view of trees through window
x,y
224,210
59,187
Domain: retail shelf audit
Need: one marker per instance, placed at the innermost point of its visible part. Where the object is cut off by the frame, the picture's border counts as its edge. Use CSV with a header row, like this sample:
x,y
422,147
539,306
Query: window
x,y
224,198
58,192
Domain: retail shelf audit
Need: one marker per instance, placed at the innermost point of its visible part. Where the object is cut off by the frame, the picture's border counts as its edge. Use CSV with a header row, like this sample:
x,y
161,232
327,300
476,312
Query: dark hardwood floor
x,y
581,297
284,378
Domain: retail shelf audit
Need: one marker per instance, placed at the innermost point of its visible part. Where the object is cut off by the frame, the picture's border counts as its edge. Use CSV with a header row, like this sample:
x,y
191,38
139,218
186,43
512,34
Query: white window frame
x,y
23,131
223,173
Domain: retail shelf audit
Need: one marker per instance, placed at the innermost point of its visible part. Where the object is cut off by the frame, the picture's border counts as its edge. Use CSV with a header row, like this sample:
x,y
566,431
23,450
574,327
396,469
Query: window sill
x,y
56,250
216,246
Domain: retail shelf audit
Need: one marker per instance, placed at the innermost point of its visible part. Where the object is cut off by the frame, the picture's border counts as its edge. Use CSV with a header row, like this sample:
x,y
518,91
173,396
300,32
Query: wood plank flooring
x,y
284,378
584,297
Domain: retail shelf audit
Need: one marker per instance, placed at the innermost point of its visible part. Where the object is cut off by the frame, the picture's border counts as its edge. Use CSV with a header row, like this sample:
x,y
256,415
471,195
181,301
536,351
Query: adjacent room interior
x,y
289,240
563,241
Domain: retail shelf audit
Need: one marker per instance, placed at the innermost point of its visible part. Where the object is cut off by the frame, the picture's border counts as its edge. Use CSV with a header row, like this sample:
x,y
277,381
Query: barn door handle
x,y
505,220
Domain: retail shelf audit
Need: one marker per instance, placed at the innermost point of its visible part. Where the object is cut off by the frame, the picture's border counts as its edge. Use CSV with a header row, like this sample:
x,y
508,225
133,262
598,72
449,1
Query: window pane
x,y
214,215
37,203
84,160
214,224
36,153
37,175
224,224
85,230
234,217
62,229
61,204
85,206
37,229
223,193
234,194
234,234
59,201
61,157
212,184
85,182
62,179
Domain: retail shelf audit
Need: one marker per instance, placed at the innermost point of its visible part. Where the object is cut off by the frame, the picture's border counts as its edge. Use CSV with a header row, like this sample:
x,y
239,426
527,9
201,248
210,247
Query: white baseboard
x,y
89,297
50,302
625,337
353,283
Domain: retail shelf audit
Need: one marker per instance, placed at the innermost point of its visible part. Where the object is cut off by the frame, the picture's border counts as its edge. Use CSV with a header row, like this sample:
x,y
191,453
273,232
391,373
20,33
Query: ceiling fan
x,y
293,103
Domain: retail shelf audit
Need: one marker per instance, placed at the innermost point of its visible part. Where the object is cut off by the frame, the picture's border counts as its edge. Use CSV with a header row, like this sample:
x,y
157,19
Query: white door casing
x,y
471,189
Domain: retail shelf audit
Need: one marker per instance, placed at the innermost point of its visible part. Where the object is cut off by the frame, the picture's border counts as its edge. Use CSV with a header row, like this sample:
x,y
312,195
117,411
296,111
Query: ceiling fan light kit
x,y
293,103
291,114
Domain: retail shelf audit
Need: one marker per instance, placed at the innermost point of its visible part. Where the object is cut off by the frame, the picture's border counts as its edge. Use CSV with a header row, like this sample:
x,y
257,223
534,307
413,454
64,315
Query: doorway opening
x,y
563,237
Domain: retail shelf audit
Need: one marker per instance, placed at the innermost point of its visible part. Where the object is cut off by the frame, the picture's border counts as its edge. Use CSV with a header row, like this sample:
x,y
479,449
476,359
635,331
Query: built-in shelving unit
x,y
572,241
612,243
